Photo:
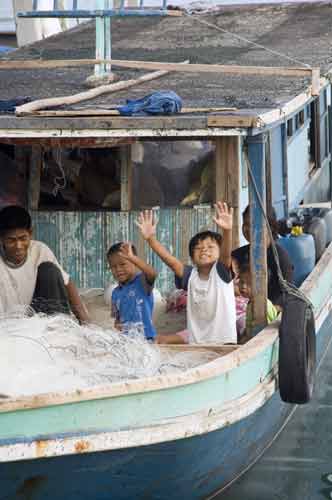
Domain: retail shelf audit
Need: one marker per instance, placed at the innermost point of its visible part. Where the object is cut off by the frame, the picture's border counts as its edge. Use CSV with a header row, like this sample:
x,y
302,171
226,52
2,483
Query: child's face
x,y
206,252
245,284
122,269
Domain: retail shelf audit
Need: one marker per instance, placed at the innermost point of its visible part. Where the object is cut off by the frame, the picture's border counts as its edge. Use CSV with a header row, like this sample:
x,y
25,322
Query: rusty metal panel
x,y
80,239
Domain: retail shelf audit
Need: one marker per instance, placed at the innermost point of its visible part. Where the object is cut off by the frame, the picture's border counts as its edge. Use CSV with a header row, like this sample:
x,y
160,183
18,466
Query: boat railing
x,y
103,12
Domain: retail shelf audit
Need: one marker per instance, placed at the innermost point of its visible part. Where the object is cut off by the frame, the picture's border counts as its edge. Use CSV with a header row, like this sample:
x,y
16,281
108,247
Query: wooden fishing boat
x,y
184,436
187,435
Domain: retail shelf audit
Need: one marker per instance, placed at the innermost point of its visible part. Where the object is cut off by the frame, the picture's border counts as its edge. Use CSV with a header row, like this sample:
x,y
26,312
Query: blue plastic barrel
x,y
301,250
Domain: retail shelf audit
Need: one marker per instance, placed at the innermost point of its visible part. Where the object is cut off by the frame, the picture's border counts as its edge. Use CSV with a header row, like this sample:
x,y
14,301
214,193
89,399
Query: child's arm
x,y
116,316
224,220
147,226
149,271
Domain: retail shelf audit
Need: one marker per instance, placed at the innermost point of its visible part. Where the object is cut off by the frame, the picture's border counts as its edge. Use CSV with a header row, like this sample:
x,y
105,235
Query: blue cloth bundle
x,y
157,103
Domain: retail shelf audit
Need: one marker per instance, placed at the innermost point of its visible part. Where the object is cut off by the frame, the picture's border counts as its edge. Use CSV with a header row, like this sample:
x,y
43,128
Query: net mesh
x,y
43,354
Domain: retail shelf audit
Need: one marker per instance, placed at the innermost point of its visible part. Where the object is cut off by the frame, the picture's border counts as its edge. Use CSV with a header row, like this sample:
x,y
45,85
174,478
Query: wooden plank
x,y
315,81
115,112
126,178
268,170
234,187
84,142
221,169
164,66
165,132
227,168
258,262
76,124
231,120
34,177
288,108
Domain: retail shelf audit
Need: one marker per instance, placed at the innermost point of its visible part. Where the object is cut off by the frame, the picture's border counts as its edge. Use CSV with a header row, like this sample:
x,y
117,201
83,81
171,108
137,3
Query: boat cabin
x,y
255,98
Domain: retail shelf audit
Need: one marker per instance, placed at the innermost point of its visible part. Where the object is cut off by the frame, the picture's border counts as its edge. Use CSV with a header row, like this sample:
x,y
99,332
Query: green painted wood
x,y
136,410
80,239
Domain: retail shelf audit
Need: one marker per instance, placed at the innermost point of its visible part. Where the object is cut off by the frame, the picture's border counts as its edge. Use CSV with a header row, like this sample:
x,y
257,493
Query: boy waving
x,y
211,315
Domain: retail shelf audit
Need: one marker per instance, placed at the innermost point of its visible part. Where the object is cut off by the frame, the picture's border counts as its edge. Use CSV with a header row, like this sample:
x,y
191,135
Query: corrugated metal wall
x,y
80,239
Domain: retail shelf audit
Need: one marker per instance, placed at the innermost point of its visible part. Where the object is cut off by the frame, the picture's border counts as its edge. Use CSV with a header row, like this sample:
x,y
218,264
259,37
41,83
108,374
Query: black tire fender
x,y
297,350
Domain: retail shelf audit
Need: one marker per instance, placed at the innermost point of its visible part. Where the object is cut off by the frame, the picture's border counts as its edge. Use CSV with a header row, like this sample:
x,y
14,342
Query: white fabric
x,y
17,284
211,313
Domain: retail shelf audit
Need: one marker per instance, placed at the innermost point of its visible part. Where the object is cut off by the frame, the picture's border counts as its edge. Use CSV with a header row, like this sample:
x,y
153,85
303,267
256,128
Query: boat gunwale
x,y
262,341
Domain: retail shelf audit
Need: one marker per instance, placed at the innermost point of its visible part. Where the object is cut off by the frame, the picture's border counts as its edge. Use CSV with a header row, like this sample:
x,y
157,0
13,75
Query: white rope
x,y
243,39
285,285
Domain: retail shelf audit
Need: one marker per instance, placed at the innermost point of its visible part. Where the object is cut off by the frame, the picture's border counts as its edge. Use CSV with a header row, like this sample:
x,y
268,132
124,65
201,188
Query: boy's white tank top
x,y
211,313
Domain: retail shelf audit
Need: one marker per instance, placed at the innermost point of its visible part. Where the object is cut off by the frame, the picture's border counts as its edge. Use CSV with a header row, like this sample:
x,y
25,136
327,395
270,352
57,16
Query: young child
x,y
211,305
132,299
245,291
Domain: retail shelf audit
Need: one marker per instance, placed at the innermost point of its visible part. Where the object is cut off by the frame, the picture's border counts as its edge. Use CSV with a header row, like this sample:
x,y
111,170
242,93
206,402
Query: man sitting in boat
x,y
211,317
132,299
30,274
246,292
241,257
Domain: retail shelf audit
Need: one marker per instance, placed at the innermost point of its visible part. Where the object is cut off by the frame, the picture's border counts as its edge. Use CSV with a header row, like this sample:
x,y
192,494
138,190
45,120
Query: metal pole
x,y
103,39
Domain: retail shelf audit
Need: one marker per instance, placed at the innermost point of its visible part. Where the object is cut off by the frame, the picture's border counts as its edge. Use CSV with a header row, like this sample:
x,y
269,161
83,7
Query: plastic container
x,y
318,223
326,215
316,226
301,250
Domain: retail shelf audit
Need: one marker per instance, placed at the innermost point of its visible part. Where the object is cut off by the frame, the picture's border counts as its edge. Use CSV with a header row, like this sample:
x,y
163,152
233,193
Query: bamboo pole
x,y
85,96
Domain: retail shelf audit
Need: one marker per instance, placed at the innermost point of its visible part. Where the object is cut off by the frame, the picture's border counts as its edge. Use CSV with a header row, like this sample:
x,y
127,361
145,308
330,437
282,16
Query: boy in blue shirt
x,y
132,299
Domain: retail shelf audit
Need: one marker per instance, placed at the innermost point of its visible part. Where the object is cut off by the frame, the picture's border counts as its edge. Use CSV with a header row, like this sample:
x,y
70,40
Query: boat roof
x,y
299,31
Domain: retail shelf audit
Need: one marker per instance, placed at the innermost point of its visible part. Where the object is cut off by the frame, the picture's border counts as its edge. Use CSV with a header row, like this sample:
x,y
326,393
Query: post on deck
x,y
258,236
227,168
330,144
102,72
35,169
126,177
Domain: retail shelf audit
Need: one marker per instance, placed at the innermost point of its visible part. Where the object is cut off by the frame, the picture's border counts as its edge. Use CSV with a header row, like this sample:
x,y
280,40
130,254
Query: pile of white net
x,y
42,354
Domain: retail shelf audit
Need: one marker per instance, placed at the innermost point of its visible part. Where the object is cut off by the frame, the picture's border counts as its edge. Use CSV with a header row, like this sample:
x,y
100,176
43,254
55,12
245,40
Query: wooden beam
x,y
232,120
315,81
164,66
126,178
34,177
258,261
115,112
22,161
227,168
71,143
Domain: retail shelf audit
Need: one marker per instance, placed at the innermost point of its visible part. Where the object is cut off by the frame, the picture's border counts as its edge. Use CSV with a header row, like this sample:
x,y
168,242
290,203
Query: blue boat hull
x,y
187,468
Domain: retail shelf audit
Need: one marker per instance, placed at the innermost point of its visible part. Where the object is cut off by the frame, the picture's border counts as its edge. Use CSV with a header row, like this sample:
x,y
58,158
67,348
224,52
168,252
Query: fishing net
x,y
42,354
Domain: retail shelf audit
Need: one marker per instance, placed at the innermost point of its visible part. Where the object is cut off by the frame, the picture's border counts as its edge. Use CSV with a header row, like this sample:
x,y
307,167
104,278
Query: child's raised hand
x,y
126,251
224,216
147,224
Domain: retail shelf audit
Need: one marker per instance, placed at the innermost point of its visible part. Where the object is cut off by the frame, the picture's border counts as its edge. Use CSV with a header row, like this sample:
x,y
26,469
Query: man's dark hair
x,y
116,248
14,217
204,235
271,217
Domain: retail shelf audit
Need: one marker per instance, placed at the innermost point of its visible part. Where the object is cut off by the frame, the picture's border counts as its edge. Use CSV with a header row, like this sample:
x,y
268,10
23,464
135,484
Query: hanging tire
x,y
297,351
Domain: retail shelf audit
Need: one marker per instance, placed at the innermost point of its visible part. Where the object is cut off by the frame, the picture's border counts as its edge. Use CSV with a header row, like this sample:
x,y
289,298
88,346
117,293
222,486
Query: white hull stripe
x,y
182,427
